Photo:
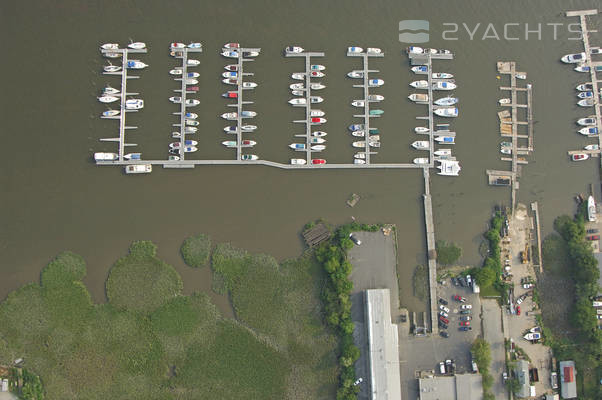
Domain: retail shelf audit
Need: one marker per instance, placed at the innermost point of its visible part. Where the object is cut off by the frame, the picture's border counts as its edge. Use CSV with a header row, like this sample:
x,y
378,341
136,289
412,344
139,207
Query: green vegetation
x,y
420,279
142,282
568,248
195,250
489,276
447,252
151,342
32,385
481,353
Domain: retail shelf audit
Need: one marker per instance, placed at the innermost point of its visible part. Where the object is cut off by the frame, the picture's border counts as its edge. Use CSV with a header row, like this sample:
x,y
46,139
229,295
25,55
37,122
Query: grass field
x,y
151,342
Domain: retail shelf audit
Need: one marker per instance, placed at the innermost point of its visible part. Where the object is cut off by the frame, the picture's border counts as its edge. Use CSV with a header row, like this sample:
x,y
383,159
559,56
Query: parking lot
x,y
423,353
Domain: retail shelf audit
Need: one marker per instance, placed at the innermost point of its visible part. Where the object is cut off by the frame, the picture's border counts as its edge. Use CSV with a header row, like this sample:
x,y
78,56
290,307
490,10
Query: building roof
x,y
383,353
568,386
522,374
457,387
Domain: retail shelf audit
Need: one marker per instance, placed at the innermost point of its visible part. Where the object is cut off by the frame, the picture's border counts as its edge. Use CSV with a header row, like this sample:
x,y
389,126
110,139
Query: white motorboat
x,y
298,101
230,74
589,131
317,120
442,152
358,103
191,122
112,55
111,68
195,45
231,46
421,145
316,99
444,86
173,158
532,336
505,150
177,45
591,209
107,99
134,104
356,74
442,75
192,102
415,50
249,85
448,112
422,129
192,63
317,74
585,68
504,101
110,46
138,169
360,155
592,147
585,87
191,115
249,157
585,95
375,97
296,86
293,49
445,139
317,67
421,160
175,99
359,161
298,76
231,67
230,116
589,121
110,113
521,75
420,69
105,156
316,86
375,82
250,53
446,101
573,58
298,161
449,168
187,142
579,156
176,71
319,134
354,49
186,149
586,103
297,146
190,129
136,64
191,82
419,97
110,91
361,133
359,145
248,114
298,92
373,50
137,45
316,113
356,127
316,140
420,84
248,128
192,75
230,54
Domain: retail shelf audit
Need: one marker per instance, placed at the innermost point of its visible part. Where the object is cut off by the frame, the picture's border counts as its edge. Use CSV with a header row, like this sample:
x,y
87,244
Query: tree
x,y
447,253
485,276
482,353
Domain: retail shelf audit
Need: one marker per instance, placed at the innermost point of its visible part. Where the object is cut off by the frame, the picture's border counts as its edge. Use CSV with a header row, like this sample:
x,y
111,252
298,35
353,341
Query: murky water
x,y
54,198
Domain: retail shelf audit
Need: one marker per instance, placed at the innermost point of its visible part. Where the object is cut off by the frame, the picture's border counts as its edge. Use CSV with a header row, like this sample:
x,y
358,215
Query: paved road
x,y
492,331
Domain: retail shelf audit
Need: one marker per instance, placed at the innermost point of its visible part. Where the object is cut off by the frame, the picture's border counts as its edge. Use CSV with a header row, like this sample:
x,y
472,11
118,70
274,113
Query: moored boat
x,y
421,160
422,130
110,46
318,147
249,157
444,86
579,157
585,68
111,68
585,87
445,139
192,102
316,86
420,69
373,50
422,84
138,169
354,49
316,113
585,95
589,131
317,120
191,122
293,49
442,75
419,97
316,140
592,147
358,103
175,99
230,74
504,101
230,94
177,45
107,99
449,112
134,104
186,149
359,161
573,58
192,63
298,161
231,67
135,64
355,74
187,142
297,146
586,121
231,46
317,74
176,71
296,101
110,113
249,85
449,168
110,91
230,54
317,67
442,152
137,45
356,127
195,45
319,134
585,103
376,112
375,82
105,156
360,155
296,86
248,114
375,97
446,101
230,116
505,150
191,115
298,76
316,99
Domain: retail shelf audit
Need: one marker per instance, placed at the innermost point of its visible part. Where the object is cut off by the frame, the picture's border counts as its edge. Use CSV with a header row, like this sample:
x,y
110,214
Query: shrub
x,y
195,250
447,253
66,268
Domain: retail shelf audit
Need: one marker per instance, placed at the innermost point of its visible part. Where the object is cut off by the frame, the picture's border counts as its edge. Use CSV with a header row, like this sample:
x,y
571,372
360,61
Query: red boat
x,y
193,89
230,95
318,161
231,67
318,120
231,46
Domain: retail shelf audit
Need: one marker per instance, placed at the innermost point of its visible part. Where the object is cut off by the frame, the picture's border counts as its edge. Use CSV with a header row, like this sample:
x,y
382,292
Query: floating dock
x,y
182,53
239,97
123,96
585,31
365,86
308,124
509,128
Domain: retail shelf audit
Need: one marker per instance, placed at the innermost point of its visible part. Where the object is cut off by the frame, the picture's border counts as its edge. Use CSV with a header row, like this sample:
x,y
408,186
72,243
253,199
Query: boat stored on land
x,y
591,209
231,46
138,169
532,336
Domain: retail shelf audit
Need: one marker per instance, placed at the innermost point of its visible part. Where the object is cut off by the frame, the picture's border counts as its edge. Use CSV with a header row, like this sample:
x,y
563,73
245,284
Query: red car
x,y
443,319
593,237
517,310
465,323
459,298
318,161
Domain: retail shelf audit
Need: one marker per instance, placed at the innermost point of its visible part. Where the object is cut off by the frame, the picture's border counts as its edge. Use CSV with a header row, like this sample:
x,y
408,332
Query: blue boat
x,y
420,69
133,156
356,127
445,139
297,146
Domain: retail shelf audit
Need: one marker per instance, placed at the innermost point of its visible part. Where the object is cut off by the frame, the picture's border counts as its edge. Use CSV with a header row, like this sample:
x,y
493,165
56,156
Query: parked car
x,y
443,308
444,334
355,239
462,281
464,323
444,320
443,314
444,302
468,280
459,298
442,325
442,367
465,311
593,231
505,376
593,237
455,281
465,328
465,318
466,306
517,310
528,285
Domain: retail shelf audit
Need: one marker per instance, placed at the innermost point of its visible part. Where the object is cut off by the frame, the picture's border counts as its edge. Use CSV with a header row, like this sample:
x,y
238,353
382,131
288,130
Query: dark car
x,y
465,318
465,328
465,311
593,231
444,302
444,320
444,334
442,325
454,281
462,281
